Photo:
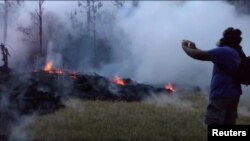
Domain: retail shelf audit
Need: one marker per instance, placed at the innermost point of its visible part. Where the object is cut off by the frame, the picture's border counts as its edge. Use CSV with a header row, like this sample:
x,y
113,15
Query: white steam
x,y
151,33
74,104
19,131
244,111
156,30
53,55
166,100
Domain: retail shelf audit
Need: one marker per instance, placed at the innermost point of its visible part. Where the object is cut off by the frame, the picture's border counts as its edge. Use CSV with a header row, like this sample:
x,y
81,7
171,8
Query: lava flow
x,y
49,68
170,87
118,80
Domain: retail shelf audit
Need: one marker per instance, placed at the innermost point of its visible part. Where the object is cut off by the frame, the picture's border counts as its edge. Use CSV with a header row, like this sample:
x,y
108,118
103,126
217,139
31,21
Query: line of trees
x,y
87,41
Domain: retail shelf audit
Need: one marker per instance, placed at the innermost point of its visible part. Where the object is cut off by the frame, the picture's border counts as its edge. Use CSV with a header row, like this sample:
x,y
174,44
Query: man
x,y
225,91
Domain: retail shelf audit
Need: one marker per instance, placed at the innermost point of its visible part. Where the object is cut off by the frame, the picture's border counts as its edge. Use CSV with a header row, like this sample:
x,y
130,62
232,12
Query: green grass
x,y
121,121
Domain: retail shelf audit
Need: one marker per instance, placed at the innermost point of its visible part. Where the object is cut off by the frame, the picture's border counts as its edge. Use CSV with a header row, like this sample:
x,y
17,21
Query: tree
x,y
7,4
40,25
118,3
53,30
92,7
37,18
92,15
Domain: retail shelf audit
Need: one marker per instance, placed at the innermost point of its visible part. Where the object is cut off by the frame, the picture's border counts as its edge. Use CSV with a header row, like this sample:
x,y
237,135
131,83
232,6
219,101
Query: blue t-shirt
x,y
226,61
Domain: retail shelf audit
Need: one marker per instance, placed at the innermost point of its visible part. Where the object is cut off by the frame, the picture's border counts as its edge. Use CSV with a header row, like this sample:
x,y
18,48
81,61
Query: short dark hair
x,y
231,37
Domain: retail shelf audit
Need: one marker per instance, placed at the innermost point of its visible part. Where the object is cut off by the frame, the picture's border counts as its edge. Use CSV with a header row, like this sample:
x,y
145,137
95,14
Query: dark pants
x,y
222,111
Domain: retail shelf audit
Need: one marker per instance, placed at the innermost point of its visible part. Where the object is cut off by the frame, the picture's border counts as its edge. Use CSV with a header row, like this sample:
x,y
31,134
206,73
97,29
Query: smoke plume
x,y
156,29
145,40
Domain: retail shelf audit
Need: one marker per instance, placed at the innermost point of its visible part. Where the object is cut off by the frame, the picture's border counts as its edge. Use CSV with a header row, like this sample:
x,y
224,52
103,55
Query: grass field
x,y
156,119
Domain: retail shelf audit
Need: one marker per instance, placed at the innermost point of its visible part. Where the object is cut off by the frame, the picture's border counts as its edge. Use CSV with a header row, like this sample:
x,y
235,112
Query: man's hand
x,y
188,44
190,48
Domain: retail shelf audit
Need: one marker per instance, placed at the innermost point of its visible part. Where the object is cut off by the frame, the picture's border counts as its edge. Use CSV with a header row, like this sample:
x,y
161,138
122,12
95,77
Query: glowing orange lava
x,y
48,66
118,80
170,87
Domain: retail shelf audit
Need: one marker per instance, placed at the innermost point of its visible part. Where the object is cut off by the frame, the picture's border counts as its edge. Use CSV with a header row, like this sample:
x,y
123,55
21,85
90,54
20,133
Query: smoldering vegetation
x,y
44,92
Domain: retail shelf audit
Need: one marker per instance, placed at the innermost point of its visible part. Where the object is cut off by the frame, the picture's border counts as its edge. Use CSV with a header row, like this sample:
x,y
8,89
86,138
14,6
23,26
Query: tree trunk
x,y
88,15
94,29
6,12
40,27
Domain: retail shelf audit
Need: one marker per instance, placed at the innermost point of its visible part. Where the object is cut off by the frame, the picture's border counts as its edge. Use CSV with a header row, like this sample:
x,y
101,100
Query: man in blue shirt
x,y
225,91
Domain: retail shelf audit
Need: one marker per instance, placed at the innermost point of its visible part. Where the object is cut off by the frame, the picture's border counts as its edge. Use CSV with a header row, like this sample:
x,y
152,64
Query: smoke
x,y
74,104
145,40
244,111
10,119
143,43
166,100
53,55
156,29
243,108
19,131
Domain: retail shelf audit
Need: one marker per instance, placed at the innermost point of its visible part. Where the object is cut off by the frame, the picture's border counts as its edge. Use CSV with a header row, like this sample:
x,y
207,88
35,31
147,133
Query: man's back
x,y
226,62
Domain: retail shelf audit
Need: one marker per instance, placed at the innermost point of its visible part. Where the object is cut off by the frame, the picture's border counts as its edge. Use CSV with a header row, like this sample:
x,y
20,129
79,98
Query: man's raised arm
x,y
191,50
